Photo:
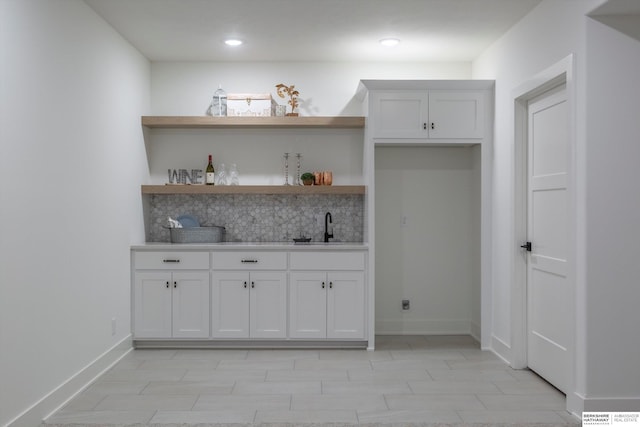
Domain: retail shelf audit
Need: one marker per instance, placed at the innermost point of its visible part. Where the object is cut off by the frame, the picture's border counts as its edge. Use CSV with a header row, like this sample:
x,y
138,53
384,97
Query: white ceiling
x,y
312,30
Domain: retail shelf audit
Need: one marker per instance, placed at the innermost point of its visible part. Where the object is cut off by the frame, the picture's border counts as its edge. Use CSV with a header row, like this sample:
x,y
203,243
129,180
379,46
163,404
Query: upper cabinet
x,y
428,111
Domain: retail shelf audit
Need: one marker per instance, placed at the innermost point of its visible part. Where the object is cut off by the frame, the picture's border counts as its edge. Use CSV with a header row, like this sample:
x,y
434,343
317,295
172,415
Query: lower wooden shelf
x,y
253,189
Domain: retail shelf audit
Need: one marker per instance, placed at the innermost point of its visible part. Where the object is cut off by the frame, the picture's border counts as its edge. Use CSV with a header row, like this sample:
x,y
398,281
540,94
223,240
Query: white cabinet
x,y
249,298
432,114
249,304
327,302
171,304
171,294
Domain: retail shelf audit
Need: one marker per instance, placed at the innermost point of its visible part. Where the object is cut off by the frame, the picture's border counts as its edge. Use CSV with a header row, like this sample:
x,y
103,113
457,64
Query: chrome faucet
x,y
327,220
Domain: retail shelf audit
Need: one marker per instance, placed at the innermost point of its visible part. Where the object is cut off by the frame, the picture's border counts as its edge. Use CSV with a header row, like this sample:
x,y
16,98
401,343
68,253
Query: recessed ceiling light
x,y
233,42
390,42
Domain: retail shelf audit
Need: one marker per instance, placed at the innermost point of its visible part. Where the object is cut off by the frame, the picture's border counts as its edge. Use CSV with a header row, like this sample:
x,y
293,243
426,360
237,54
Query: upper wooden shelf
x,y
199,122
253,189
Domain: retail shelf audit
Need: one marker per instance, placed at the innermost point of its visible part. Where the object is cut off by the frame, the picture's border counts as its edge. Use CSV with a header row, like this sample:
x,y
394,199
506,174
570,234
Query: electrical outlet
x,y
405,304
113,326
403,221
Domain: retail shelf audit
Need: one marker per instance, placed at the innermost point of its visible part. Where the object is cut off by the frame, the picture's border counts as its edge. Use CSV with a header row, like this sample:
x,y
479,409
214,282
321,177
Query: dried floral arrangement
x,y
293,96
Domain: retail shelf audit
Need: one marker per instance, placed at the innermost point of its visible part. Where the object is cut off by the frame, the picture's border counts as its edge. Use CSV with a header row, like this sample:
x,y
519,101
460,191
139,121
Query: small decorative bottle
x,y
219,103
221,176
234,178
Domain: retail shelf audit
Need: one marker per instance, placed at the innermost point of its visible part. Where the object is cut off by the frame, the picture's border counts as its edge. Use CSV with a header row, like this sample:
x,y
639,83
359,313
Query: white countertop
x,y
289,246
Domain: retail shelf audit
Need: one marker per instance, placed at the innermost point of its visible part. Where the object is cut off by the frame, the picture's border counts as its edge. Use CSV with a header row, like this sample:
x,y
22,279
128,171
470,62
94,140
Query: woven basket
x,y
211,234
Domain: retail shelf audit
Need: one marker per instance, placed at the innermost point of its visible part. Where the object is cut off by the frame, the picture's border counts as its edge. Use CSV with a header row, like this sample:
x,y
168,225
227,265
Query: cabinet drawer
x,y
249,260
327,260
175,260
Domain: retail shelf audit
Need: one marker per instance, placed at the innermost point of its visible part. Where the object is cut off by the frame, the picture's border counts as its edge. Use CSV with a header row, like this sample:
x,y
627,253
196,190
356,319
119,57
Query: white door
x,y
548,293
268,305
345,305
190,304
230,304
308,305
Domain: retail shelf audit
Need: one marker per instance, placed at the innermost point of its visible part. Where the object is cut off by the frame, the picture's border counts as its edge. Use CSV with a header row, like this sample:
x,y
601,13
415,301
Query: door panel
x,y
268,305
548,293
308,305
152,305
345,304
191,305
230,305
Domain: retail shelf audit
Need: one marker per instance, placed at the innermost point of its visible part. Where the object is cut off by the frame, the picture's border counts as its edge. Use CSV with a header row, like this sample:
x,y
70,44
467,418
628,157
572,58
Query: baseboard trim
x,y
500,349
578,404
66,391
423,327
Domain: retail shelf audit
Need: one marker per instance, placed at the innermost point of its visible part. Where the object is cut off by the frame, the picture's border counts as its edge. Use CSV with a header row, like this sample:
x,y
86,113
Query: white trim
x,y
501,349
560,73
579,404
58,397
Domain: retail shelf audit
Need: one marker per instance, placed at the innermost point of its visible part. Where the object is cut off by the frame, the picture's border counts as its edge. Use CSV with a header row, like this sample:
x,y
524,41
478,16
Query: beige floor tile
x,y
526,387
485,364
101,417
273,387
542,402
427,355
160,364
306,375
519,417
116,387
320,364
409,364
144,375
297,417
254,364
122,402
354,355
202,417
226,375
434,402
147,354
338,402
399,417
365,387
188,387
282,354
453,387
280,402
470,375
389,375
83,402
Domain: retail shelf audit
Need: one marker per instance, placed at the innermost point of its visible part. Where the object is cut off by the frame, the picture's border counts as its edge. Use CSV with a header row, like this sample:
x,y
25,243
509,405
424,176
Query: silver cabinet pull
x,y
249,261
175,261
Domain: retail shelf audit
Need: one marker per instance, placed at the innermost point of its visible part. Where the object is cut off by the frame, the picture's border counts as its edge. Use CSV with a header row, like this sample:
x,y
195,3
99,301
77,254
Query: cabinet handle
x,y
249,261
175,261
245,285
330,285
253,284
433,125
167,284
424,126
322,285
175,284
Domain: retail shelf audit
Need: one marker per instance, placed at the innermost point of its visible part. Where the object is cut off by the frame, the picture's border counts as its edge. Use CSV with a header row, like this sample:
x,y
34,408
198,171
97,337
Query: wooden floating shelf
x,y
253,189
200,122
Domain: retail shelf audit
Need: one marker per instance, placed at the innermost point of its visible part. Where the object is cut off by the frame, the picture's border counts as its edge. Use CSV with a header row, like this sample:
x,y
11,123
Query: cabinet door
x,y
399,114
190,304
456,114
346,305
152,305
268,305
230,304
308,305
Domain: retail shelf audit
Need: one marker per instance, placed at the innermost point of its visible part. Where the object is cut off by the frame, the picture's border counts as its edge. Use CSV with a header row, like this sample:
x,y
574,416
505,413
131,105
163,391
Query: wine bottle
x,y
210,173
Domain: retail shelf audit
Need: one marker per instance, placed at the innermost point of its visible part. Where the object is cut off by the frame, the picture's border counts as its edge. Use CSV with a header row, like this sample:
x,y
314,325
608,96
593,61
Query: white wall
x,y
431,258
613,215
70,170
606,70
326,89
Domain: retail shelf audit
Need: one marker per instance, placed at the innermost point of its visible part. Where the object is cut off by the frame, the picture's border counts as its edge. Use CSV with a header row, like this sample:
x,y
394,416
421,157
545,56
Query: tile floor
x,y
407,380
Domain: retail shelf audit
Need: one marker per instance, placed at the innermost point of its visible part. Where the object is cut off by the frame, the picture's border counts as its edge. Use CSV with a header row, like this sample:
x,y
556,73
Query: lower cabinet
x,y
327,305
249,304
171,304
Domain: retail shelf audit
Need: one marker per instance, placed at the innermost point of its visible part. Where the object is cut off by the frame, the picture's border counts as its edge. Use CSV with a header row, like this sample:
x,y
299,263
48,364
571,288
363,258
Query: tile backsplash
x,y
262,218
